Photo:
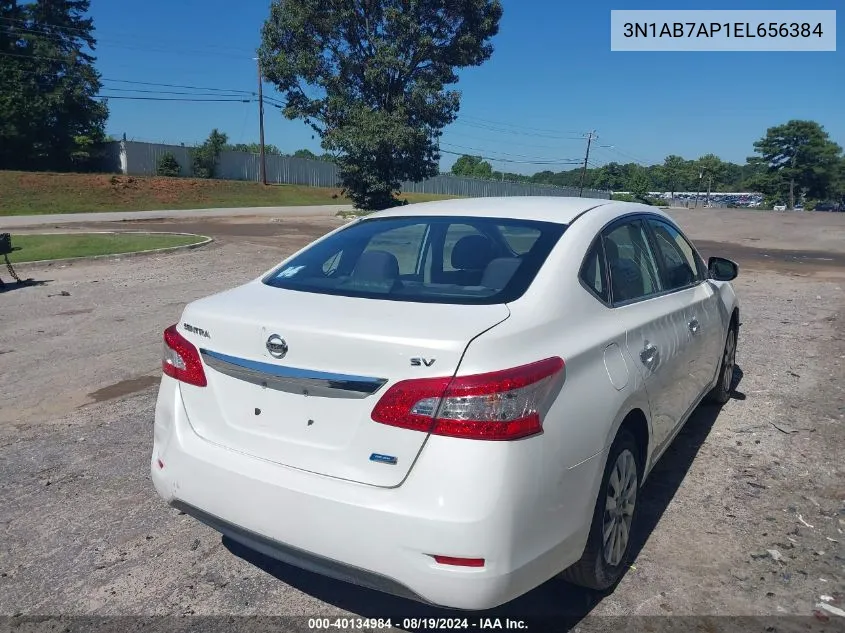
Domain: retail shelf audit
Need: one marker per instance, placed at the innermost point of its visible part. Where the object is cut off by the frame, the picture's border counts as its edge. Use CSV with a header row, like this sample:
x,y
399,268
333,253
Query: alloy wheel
x,y
619,508
729,362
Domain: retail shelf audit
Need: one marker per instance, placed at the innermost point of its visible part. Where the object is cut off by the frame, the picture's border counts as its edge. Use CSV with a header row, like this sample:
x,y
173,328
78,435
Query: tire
x,y
721,393
601,568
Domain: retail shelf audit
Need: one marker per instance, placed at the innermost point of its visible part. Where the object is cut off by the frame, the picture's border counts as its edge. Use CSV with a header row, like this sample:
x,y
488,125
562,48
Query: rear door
x,y
657,335
683,273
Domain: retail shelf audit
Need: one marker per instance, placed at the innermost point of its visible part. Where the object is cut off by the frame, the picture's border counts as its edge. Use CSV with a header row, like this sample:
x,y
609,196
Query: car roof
x,y
558,209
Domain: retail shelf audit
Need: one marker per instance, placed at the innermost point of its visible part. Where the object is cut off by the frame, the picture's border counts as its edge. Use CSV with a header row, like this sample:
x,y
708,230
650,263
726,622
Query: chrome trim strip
x,y
291,379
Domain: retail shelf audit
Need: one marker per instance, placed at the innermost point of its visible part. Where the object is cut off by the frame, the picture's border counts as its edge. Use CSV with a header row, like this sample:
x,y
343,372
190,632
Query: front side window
x,y
631,263
470,260
680,265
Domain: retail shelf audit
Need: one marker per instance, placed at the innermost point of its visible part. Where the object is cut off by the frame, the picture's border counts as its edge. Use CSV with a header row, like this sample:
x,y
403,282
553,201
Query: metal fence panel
x,y
137,158
446,184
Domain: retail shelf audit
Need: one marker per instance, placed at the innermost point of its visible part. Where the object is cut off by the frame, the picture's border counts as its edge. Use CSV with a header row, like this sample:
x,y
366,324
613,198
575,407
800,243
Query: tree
x,y
472,167
797,154
674,172
638,184
168,166
369,77
50,117
711,168
305,153
205,157
255,148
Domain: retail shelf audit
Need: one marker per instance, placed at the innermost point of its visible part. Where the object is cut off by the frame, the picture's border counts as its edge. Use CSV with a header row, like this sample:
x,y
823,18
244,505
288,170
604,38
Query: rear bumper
x,y
485,502
297,557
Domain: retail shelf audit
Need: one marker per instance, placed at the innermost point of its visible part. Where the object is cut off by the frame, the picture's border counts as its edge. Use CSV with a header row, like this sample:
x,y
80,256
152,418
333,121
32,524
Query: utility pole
x,y
263,165
590,137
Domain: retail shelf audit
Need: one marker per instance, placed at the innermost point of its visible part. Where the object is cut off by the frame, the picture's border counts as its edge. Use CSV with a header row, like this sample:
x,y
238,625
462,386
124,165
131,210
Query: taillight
x,y
181,360
501,405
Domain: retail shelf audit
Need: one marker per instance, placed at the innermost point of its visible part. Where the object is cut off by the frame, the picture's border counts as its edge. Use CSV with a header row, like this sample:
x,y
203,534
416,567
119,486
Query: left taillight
x,y
501,405
181,360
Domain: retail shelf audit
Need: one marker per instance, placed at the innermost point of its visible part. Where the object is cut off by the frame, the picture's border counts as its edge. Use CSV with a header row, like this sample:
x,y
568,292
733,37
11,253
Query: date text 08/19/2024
x,y
433,624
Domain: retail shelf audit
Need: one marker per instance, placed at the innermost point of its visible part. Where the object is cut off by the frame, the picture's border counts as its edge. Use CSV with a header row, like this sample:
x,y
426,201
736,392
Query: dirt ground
x,y
744,515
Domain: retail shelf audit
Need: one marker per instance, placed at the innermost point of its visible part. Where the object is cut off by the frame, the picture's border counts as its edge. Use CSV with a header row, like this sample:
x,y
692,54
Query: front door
x,y
684,274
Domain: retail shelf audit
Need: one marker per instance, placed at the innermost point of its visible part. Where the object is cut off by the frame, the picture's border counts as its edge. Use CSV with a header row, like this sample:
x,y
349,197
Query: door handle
x,y
694,326
649,354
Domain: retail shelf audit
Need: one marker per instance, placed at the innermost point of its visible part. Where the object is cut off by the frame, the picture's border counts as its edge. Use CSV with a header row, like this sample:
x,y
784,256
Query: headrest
x,y
499,272
376,266
472,252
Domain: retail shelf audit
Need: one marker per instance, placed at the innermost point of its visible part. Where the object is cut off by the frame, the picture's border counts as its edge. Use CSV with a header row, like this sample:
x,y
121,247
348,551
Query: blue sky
x,y
552,78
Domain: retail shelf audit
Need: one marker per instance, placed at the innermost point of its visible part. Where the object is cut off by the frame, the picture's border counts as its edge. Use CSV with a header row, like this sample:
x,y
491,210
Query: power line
x,y
228,92
168,92
102,96
506,160
519,127
510,142
504,130
163,85
637,160
49,29
55,59
507,154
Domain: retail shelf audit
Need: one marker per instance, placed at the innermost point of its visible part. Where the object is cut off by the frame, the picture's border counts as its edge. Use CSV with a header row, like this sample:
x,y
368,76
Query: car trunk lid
x,y
305,399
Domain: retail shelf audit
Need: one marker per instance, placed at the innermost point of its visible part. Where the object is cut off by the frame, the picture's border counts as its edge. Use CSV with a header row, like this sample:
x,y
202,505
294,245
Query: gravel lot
x,y
745,515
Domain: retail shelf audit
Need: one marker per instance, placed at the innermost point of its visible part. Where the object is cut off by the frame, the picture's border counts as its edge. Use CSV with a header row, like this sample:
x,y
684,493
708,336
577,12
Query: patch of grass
x,y
59,246
37,193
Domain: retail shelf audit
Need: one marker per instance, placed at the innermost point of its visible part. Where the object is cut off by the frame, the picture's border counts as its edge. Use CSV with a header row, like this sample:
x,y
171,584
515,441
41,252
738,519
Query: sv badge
x,y
419,361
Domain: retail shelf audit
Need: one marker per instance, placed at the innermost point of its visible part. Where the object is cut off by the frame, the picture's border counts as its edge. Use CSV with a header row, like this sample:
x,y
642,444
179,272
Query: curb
x,y
206,240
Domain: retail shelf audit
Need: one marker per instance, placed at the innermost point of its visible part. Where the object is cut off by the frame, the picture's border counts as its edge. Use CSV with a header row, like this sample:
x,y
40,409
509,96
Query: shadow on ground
x,y
8,286
554,606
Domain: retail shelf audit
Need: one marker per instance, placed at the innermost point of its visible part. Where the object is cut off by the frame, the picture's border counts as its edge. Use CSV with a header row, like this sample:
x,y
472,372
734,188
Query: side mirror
x,y
722,269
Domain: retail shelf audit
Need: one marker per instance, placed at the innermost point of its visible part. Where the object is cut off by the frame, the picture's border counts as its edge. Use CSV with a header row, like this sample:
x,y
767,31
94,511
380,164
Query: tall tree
x,y
798,156
638,183
206,157
711,168
370,78
674,172
472,167
49,115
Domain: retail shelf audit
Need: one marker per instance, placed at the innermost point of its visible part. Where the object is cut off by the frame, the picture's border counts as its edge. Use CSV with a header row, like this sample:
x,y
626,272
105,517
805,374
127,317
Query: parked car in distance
x,y
779,207
452,401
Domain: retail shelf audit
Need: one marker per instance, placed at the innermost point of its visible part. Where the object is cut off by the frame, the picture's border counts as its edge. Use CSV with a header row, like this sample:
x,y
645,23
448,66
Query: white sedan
x,y
452,401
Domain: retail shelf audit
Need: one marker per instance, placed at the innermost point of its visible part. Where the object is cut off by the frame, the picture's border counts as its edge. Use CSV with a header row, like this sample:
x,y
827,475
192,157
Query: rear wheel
x,y
609,543
721,393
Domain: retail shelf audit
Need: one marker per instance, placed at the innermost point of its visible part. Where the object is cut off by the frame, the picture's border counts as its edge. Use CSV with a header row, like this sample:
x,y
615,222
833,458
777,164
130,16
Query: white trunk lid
x,y
344,352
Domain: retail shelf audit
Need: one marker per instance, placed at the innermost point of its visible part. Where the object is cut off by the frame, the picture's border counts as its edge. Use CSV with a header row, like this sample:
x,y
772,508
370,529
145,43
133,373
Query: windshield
x,y
468,260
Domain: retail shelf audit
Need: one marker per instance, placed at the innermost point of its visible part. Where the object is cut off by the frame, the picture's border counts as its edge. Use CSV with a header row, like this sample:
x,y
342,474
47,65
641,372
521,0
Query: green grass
x,y
36,193
59,246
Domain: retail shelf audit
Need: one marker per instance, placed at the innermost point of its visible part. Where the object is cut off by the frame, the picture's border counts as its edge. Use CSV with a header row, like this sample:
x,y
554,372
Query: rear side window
x,y
464,260
593,272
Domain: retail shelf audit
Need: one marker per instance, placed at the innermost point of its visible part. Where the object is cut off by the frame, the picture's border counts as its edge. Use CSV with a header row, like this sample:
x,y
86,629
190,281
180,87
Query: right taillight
x,y
181,360
501,405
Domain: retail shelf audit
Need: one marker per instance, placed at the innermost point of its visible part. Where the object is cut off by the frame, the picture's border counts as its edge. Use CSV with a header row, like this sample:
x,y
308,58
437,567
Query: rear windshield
x,y
469,260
